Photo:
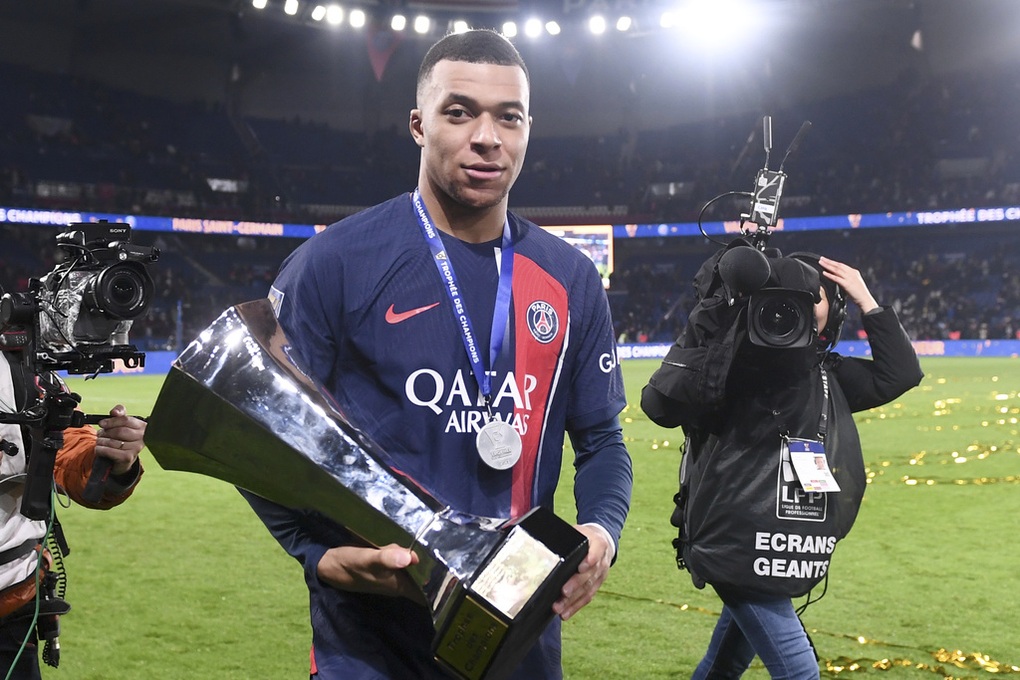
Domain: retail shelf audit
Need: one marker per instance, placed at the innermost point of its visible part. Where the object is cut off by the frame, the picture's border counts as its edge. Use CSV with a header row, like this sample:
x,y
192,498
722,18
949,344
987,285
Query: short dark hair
x,y
477,46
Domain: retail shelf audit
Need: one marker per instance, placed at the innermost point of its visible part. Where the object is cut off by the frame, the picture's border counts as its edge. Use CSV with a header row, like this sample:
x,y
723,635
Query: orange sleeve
x,y
74,465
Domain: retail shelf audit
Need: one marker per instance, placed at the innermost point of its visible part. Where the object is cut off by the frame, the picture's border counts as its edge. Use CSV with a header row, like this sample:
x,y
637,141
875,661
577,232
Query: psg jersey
x,y
371,319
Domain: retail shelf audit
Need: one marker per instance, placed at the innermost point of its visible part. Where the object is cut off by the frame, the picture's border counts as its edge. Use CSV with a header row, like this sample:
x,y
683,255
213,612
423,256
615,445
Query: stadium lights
x,y
701,18
716,22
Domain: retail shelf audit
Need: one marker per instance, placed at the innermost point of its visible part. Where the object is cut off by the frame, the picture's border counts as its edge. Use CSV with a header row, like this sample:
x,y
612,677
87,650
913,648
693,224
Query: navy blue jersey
x,y
366,310
371,319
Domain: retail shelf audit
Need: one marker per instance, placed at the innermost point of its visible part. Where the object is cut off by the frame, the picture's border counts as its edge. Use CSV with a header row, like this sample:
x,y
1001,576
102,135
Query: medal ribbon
x,y
501,313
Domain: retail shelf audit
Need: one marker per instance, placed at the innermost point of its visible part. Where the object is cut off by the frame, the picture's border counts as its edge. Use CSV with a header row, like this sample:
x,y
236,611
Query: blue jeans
x,y
769,629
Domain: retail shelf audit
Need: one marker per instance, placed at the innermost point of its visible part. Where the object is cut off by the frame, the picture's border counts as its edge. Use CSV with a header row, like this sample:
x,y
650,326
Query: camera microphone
x,y
743,270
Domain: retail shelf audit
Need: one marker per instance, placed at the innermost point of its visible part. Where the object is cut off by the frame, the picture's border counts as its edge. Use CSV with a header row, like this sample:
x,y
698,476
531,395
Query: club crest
x,y
543,322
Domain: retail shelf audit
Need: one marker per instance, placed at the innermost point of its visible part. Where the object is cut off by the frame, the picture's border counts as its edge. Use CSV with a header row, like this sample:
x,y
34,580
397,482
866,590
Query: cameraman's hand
x,y
370,570
851,281
121,439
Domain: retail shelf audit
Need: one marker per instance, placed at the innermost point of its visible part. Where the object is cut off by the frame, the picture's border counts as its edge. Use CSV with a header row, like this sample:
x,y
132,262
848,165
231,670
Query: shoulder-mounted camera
x,y
781,292
77,317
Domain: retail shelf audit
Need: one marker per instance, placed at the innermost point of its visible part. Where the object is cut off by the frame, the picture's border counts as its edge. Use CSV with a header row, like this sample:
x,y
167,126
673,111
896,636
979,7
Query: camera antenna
x,y
766,130
804,127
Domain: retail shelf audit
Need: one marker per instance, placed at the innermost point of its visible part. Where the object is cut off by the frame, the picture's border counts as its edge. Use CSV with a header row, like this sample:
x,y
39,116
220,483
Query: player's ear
x,y
415,126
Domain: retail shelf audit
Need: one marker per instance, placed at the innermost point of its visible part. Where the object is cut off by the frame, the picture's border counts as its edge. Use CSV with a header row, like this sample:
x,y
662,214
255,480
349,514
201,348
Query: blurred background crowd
x,y
918,141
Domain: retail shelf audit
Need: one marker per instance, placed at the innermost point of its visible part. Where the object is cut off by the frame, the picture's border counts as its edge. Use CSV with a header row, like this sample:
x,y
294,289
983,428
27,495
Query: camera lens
x,y
121,291
781,318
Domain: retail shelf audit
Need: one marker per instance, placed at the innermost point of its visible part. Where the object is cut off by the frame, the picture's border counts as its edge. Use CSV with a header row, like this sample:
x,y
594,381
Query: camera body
x,y
782,292
77,317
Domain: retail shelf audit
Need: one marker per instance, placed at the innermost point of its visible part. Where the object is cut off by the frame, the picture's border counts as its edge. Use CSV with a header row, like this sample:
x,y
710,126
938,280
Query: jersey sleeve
x,y
307,316
74,465
597,391
604,476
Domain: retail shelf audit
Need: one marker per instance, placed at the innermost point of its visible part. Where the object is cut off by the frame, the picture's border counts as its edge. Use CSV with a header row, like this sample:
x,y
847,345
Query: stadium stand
x,y
941,143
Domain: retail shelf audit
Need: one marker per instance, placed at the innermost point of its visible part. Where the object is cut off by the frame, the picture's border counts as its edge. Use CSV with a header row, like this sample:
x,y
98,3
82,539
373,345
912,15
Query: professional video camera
x,y
76,318
782,296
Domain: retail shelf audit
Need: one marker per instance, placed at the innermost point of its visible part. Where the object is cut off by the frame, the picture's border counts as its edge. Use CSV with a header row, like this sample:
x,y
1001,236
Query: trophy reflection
x,y
237,407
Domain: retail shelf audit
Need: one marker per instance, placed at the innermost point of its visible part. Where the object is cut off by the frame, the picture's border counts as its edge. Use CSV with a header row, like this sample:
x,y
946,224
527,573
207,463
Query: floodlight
x,y
334,14
552,28
717,22
509,29
399,22
461,26
290,7
597,24
421,24
356,18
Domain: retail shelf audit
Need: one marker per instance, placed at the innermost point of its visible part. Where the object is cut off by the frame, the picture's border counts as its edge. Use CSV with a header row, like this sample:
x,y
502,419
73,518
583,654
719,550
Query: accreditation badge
x,y
811,465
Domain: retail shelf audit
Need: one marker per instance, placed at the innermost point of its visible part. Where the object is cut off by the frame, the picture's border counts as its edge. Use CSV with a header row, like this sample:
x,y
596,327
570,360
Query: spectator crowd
x,y
941,144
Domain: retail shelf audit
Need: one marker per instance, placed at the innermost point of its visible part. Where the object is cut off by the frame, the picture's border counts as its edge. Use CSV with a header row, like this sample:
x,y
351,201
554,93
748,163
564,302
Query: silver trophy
x,y
236,406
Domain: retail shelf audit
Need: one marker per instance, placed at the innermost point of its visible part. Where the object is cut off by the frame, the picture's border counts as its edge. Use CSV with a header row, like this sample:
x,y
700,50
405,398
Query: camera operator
x,y
744,407
25,558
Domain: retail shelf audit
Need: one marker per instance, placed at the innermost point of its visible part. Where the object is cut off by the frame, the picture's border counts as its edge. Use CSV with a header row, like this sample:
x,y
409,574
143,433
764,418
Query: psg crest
x,y
543,321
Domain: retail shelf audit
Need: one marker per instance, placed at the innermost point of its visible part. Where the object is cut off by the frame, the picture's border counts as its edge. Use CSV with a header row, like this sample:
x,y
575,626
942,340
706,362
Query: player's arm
x,y
602,490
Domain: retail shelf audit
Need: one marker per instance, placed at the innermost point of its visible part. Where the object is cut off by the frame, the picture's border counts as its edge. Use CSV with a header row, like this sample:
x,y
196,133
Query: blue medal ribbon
x,y
501,313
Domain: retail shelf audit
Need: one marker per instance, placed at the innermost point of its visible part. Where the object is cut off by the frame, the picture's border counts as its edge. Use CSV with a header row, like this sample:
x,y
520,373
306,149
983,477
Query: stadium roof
x,y
647,77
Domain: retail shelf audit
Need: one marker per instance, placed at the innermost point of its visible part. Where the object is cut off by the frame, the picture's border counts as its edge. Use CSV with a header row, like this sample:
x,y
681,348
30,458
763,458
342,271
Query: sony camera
x,y
77,317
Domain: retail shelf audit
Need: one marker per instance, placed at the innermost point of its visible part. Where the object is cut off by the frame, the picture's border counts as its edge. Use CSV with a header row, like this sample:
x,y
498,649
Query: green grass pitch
x,y
184,582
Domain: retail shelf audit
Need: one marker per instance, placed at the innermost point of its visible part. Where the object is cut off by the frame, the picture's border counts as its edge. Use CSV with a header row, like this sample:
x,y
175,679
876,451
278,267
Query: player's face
x,y
473,128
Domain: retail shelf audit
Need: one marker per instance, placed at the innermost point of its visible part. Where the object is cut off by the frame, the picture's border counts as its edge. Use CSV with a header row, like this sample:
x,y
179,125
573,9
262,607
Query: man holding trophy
x,y
465,341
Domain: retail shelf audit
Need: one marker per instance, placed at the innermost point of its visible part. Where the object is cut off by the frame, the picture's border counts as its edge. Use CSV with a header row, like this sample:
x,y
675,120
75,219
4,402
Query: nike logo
x,y
397,317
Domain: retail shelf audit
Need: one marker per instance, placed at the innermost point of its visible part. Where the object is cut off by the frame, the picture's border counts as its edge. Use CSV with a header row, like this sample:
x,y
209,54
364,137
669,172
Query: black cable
x,y
710,202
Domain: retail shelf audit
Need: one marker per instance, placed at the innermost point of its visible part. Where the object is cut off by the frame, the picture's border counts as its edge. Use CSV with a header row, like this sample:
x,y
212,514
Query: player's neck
x,y
469,224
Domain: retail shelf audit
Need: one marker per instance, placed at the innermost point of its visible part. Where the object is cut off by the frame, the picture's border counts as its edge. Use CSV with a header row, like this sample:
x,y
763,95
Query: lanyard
x,y
501,313
823,419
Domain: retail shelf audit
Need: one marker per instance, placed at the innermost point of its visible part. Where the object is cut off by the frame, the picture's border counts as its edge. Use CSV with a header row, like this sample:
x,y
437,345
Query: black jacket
x,y
735,400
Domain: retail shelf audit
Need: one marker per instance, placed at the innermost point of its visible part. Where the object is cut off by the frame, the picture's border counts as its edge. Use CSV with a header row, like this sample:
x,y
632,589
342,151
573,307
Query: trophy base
x,y
490,624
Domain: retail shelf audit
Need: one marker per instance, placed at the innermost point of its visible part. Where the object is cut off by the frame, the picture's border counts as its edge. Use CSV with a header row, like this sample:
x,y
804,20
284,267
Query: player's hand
x,y
370,570
582,586
121,439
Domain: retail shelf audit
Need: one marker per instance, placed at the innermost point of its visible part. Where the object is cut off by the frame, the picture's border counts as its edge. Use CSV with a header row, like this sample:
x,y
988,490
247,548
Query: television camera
x,y
778,315
76,319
